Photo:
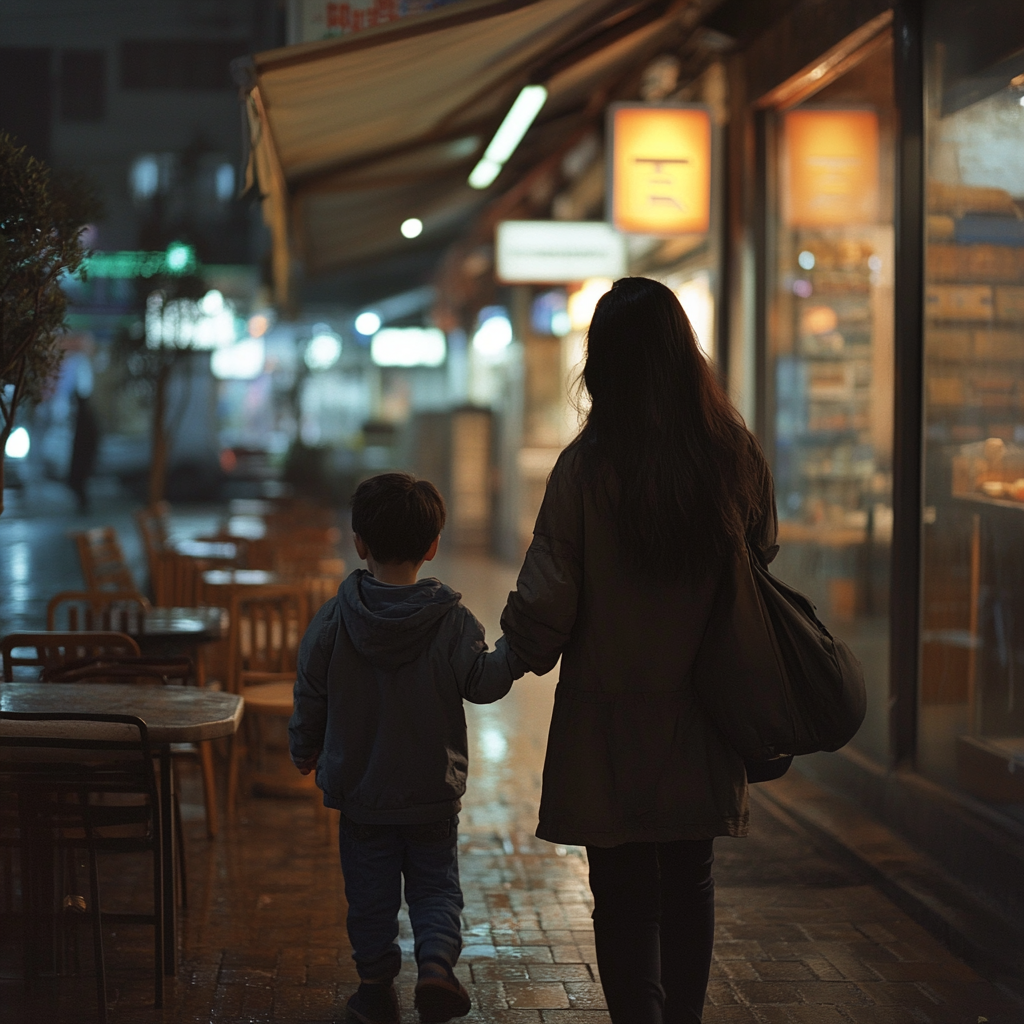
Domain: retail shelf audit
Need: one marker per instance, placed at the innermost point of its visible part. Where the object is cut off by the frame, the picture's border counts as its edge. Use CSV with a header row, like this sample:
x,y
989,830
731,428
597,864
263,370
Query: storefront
x,y
874,334
859,284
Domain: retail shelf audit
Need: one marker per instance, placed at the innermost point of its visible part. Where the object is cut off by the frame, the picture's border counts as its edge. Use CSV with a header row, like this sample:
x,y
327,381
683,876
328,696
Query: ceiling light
x,y
484,173
412,228
368,323
510,133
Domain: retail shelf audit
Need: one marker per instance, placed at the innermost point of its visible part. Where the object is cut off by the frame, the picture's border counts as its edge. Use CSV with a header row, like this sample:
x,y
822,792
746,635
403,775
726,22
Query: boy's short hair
x,y
397,516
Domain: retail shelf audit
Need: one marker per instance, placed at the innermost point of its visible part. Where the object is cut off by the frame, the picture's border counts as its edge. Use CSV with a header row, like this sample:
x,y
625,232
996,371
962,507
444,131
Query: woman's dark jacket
x,y
631,756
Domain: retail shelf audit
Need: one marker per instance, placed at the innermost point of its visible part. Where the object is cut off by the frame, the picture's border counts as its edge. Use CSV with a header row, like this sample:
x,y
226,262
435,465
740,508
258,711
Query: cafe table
x,y
173,714
170,632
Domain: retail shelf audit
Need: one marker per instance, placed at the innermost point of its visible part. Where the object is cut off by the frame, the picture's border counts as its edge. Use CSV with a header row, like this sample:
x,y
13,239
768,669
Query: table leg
x,y
167,845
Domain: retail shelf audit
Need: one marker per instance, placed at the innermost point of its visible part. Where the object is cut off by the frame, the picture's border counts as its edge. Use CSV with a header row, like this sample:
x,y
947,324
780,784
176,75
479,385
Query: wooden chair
x,y
124,668
75,610
52,649
266,629
152,671
153,523
82,782
103,563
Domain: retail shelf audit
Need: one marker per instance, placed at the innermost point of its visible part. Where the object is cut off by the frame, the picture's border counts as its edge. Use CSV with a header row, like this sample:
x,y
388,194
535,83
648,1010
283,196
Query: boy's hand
x,y
306,765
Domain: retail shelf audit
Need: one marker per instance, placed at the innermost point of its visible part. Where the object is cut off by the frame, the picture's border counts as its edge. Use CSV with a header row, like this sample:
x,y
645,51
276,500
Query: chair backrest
x,y
79,753
103,563
321,588
153,522
161,671
46,649
266,629
73,610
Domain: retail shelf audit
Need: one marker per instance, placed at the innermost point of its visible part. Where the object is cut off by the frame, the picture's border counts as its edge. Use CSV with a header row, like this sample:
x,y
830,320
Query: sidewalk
x,y
802,936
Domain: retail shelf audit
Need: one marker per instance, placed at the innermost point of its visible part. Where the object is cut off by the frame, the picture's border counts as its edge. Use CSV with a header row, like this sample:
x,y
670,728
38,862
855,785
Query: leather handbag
x,y
773,679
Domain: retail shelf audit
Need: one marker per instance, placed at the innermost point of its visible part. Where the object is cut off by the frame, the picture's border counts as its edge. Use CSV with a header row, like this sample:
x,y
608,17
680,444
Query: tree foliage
x,y
42,215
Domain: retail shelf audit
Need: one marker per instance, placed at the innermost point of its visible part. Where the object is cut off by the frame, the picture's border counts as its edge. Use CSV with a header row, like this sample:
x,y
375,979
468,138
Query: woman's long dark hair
x,y
683,463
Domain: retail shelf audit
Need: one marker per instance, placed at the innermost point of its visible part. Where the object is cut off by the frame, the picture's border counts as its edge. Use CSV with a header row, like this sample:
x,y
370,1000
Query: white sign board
x,y
554,252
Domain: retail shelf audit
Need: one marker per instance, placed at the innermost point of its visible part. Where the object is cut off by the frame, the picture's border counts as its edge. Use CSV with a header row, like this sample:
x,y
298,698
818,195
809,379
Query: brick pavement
x,y
800,937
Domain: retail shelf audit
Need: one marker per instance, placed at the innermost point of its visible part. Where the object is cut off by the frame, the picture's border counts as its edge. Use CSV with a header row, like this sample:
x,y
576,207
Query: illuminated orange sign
x,y
661,169
830,169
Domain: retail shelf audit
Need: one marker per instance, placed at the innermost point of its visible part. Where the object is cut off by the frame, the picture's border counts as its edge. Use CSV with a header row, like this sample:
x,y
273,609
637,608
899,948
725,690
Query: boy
x,y
383,670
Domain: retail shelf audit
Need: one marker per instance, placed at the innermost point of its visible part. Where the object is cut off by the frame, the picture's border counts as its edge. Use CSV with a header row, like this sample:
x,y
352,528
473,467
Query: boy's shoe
x,y
374,1003
439,994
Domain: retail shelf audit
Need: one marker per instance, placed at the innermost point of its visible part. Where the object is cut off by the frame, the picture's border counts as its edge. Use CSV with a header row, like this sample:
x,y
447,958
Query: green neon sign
x,y
178,259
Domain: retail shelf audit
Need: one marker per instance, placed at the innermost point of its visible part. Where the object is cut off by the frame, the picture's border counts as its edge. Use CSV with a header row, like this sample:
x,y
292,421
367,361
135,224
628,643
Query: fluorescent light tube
x,y
516,124
517,121
484,173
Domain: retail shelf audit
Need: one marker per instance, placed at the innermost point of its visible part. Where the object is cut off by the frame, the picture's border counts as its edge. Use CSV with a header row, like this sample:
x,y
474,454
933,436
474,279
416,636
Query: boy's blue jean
x,y
374,859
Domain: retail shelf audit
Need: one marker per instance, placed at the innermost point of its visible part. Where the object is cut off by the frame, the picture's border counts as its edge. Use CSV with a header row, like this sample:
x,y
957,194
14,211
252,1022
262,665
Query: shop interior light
x,y
324,348
583,303
510,133
18,444
180,257
185,323
259,324
244,360
368,323
493,336
408,346
412,228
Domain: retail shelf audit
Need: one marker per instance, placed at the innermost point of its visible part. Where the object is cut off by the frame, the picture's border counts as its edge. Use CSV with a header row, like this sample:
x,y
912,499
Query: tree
x,y
148,363
42,216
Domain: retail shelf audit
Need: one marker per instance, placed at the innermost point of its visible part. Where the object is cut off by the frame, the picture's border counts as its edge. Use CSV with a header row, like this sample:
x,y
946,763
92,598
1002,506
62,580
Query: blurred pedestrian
x,y
84,449
642,514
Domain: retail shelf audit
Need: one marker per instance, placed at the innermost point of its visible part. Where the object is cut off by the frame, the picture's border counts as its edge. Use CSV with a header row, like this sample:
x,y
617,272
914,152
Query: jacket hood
x,y
390,625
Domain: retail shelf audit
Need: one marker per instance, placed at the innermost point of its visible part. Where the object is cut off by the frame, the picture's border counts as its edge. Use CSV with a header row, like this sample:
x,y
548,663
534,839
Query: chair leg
x,y
158,922
97,928
209,787
233,758
179,836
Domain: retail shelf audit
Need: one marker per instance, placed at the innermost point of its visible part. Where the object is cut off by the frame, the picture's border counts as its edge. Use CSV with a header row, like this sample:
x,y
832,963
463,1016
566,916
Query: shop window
x,y
971,695
83,85
829,358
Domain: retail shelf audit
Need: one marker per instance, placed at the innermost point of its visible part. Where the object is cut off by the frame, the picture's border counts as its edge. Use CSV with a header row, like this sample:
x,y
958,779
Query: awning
x,y
351,136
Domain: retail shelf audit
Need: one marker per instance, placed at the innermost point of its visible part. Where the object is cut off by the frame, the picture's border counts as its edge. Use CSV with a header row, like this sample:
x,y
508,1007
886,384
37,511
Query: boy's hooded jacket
x,y
382,674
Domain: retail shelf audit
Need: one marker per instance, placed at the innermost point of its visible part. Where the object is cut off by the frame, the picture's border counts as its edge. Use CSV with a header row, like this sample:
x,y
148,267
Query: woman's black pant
x,y
654,925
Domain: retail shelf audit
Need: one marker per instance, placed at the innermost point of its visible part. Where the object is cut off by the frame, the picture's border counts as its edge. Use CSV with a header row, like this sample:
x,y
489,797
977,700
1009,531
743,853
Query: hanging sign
x,y
555,251
830,168
660,169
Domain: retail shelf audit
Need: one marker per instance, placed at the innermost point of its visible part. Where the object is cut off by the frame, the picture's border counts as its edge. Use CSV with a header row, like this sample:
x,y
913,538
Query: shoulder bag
x,y
771,676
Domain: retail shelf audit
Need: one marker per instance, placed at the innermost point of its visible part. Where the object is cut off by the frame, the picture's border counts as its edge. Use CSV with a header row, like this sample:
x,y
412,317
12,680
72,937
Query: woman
x,y
641,515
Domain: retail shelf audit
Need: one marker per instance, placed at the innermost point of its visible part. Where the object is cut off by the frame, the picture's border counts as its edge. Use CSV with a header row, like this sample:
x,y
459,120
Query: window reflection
x,y
972,658
830,354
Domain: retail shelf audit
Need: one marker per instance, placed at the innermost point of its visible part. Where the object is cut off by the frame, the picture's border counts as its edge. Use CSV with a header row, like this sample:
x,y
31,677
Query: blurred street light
x,y
18,444
412,228
368,323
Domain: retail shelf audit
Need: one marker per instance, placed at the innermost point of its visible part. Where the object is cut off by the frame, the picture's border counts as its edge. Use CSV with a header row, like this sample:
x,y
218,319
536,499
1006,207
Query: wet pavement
x,y
801,936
